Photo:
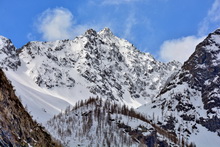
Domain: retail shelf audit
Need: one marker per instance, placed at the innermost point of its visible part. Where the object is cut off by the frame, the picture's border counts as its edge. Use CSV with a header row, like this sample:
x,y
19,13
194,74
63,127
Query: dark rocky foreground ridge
x,y
16,126
204,68
189,104
201,72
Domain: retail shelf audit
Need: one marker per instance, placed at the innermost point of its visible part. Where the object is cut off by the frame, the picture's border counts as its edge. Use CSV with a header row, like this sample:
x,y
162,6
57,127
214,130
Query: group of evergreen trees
x,y
97,122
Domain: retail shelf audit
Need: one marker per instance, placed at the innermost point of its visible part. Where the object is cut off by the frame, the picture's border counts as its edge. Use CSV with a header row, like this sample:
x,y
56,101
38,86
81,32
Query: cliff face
x,y
8,56
204,68
16,126
189,104
111,67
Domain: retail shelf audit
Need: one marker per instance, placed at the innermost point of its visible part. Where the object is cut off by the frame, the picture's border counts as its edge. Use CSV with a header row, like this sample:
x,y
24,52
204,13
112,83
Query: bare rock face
x,y
8,55
16,126
204,68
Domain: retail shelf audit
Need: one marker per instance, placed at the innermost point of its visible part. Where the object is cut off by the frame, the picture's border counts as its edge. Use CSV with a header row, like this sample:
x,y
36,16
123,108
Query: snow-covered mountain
x,y
189,104
49,76
181,105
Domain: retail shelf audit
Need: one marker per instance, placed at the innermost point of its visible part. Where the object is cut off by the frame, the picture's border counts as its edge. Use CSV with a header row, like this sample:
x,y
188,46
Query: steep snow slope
x,y
40,103
189,104
53,75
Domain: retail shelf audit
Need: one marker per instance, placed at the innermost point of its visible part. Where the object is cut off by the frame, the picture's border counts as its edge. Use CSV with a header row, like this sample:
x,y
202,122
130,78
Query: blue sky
x,y
168,29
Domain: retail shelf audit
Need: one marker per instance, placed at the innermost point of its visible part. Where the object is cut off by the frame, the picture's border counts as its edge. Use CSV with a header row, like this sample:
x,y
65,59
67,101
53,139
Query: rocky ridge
x,y
189,103
17,127
112,67
8,55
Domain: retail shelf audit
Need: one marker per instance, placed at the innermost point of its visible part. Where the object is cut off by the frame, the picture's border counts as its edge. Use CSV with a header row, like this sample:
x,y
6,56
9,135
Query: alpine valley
x,y
99,90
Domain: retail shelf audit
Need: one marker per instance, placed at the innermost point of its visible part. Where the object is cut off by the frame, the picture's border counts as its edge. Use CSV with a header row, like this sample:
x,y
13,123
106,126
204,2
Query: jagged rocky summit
x,y
189,104
8,55
49,76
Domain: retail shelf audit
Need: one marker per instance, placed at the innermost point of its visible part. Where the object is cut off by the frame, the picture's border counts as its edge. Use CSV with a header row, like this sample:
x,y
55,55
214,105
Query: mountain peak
x,y
91,32
8,54
3,41
207,53
106,32
2,37
192,95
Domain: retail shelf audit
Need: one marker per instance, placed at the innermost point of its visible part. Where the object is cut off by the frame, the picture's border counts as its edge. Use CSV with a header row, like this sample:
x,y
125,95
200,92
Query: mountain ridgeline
x,y
62,72
177,105
112,67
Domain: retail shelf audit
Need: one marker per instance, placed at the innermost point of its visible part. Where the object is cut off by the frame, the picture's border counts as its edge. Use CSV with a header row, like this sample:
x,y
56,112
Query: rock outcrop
x,y
17,127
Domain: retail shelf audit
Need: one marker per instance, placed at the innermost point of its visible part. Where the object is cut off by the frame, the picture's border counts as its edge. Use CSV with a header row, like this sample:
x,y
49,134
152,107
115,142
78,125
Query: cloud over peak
x,y
179,49
58,24
55,24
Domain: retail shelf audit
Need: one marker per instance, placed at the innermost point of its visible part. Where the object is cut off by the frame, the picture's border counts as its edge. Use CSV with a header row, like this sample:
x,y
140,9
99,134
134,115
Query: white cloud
x,y
179,49
213,17
55,24
59,23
